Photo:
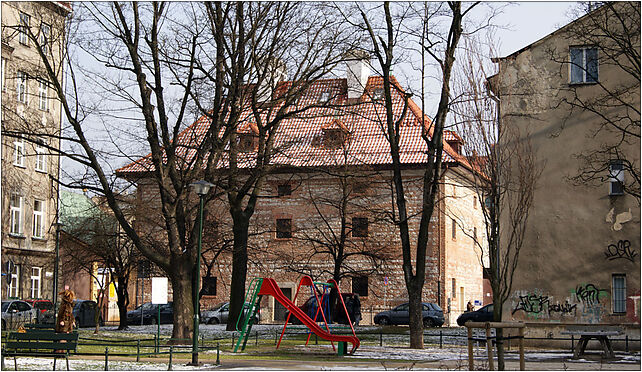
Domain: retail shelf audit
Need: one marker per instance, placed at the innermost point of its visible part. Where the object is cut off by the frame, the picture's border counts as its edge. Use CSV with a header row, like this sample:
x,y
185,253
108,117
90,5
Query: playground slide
x,y
270,287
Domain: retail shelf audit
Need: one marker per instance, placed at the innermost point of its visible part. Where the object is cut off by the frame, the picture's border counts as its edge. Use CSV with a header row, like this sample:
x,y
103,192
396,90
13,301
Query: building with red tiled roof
x,y
346,134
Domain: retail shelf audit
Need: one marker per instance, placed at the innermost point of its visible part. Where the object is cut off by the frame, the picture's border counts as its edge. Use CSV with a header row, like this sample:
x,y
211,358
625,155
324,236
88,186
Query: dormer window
x,y
325,97
377,94
616,179
335,134
246,142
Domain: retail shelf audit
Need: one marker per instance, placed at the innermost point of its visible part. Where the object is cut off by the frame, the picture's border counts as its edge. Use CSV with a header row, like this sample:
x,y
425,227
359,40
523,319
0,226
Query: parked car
x,y
433,315
149,314
85,313
353,306
16,313
44,310
485,314
219,314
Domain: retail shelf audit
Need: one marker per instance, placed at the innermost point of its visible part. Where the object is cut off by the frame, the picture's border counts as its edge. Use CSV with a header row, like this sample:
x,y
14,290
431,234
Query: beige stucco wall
x,y
26,181
564,274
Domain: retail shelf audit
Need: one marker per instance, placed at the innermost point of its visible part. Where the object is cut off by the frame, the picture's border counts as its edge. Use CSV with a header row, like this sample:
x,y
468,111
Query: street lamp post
x,y
201,188
59,226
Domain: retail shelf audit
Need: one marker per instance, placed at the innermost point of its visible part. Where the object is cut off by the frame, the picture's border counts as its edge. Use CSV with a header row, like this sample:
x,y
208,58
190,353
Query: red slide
x,y
270,287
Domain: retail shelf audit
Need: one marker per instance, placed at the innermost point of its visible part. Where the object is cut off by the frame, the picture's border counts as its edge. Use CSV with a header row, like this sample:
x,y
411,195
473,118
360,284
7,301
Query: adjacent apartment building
x,y
575,95
331,190
31,124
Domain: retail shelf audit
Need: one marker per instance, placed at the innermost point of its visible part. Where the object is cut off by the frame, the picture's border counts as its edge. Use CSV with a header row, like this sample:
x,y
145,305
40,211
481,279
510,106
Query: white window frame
x,y
614,295
4,73
25,20
45,35
41,156
36,281
38,219
14,287
15,218
43,95
616,177
22,88
19,152
584,66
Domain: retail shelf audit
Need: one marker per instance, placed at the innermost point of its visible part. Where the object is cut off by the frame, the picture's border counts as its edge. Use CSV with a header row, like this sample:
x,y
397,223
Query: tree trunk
x,y
123,301
497,316
239,268
414,312
182,286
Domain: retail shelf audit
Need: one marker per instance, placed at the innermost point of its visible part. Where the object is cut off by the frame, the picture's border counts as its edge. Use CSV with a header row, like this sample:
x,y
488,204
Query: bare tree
x,y
159,63
384,33
613,30
505,176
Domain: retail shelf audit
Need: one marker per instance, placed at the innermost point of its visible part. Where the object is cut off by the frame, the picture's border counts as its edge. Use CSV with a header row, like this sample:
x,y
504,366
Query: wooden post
x,y
471,359
522,363
138,350
489,348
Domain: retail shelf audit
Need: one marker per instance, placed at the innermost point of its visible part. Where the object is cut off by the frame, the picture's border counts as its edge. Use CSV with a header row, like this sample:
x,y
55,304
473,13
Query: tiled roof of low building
x,y
299,140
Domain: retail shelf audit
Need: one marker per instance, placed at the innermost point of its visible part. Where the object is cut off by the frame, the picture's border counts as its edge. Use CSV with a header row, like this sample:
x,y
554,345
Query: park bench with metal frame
x,y
40,343
598,332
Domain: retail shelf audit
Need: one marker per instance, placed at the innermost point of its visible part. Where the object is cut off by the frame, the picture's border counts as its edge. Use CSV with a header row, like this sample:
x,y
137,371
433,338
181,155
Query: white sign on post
x,y
159,291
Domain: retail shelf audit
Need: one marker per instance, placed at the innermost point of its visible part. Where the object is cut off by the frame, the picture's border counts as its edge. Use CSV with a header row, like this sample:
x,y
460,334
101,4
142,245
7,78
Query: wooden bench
x,y
40,343
598,332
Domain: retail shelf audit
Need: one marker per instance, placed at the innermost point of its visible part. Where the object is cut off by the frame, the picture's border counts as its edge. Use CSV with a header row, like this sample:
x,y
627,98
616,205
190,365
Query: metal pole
x,y
106,359
55,278
218,357
197,283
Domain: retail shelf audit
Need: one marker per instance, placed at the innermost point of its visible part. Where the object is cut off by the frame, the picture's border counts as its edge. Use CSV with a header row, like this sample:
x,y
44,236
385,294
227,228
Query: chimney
x,y
357,71
276,72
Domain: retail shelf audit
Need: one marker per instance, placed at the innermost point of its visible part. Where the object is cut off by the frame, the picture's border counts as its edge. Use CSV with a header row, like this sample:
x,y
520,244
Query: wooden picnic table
x,y
597,332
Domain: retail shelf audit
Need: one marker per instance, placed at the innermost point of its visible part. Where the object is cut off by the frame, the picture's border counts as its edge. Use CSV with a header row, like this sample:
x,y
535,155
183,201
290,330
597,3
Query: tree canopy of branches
x,y
144,70
384,36
614,28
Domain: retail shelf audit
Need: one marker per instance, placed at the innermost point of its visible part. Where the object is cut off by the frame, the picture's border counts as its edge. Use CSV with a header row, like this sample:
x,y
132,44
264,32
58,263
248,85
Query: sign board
x,y
385,280
478,303
159,291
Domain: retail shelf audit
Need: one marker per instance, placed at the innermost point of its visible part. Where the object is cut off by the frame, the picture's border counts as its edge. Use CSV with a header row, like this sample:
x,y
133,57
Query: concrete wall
x,y
566,264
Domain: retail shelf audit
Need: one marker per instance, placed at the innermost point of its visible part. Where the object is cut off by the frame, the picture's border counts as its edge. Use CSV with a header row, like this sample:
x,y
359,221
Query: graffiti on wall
x,y
622,249
532,303
585,305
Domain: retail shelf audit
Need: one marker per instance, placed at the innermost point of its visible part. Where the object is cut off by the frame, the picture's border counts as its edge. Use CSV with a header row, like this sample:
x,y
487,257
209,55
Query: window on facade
x,y
616,179
43,99
454,288
38,219
284,189
453,228
23,36
246,142
360,285
360,227
284,228
21,87
45,35
41,157
14,287
475,201
619,293
35,281
209,286
360,187
19,152
584,64
16,205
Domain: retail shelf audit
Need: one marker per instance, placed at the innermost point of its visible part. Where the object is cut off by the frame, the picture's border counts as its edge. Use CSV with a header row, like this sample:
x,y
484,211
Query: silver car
x,y
220,313
16,313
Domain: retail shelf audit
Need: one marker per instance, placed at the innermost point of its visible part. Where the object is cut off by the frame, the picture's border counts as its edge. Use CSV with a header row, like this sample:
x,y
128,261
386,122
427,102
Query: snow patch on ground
x,y
39,364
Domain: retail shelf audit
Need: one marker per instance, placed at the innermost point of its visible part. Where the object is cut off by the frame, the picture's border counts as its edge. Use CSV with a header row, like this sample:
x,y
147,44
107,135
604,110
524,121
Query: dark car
x,y
351,300
149,314
85,313
219,313
485,314
432,315
44,310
